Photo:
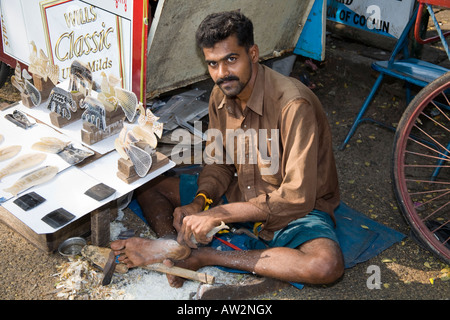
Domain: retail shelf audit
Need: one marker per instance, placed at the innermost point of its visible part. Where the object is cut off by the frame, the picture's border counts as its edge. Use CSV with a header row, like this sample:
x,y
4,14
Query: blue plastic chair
x,y
411,70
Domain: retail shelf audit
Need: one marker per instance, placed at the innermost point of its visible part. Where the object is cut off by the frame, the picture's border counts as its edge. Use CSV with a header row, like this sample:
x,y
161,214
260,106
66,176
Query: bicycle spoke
x,y
435,211
432,139
425,155
428,192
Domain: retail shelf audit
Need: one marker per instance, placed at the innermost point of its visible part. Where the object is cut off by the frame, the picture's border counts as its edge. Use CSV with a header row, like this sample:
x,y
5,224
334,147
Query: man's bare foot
x,y
193,262
137,252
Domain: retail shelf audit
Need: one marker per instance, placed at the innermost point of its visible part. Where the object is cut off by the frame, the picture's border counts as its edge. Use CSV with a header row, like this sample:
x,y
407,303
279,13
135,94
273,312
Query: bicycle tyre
x,y
421,165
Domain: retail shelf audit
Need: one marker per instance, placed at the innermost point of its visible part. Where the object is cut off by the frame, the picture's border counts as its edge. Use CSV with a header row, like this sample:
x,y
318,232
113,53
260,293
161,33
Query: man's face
x,y
230,65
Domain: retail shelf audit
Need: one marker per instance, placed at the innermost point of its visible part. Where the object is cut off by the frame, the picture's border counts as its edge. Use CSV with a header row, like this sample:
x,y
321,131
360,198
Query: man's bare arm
x,y
201,223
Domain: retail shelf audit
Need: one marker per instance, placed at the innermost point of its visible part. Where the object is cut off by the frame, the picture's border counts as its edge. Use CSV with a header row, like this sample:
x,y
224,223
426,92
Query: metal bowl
x,y
71,247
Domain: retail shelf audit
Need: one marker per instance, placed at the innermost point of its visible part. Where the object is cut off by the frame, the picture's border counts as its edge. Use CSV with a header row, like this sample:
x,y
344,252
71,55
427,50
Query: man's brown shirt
x,y
283,156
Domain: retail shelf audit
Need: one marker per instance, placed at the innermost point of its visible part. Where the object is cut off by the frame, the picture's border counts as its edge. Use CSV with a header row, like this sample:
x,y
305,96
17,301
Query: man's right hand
x,y
179,213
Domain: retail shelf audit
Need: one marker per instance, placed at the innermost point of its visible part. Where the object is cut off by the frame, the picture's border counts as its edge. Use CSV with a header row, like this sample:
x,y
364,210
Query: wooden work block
x,y
59,121
126,170
77,97
127,179
114,116
126,167
100,226
44,86
90,134
26,100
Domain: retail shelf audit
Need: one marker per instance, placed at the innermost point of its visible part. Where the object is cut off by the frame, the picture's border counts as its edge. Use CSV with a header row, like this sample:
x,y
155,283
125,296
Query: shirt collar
x,y
255,103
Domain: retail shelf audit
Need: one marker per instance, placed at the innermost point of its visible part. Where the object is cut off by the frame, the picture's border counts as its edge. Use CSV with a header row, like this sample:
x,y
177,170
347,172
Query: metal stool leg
x,y
358,120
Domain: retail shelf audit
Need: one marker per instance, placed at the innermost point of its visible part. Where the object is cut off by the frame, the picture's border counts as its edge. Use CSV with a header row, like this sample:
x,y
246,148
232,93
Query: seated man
x,y
286,183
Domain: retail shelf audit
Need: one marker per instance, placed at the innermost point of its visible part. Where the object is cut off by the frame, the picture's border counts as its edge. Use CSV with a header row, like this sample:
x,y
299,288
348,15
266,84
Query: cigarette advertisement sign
x,y
385,17
108,35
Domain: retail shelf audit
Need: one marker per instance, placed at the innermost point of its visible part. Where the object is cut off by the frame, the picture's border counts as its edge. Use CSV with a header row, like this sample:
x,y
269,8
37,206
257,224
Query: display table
x,y
67,189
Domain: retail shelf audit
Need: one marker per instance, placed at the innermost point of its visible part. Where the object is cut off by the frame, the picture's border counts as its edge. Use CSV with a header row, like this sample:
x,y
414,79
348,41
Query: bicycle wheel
x,y
421,166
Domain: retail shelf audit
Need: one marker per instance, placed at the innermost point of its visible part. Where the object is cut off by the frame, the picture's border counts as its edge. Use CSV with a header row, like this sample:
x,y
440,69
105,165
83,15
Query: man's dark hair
x,y
217,27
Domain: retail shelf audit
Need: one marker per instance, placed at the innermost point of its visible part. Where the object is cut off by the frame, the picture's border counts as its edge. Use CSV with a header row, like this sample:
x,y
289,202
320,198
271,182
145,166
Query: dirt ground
x,y
342,82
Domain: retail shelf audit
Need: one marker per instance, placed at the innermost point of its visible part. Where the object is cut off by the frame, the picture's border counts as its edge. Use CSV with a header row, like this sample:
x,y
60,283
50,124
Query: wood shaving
x,y
79,280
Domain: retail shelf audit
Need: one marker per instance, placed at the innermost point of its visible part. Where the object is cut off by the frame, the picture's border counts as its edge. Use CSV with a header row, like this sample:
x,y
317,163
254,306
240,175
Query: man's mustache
x,y
229,78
